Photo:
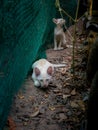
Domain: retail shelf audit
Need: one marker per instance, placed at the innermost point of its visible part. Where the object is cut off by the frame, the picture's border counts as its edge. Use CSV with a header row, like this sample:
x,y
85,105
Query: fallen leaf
x,y
73,92
62,116
11,123
59,94
63,71
81,104
46,95
74,104
25,123
20,96
52,108
66,96
56,91
35,113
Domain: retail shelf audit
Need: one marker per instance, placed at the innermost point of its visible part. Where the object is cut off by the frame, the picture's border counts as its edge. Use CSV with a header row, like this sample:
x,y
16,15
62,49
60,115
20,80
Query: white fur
x,y
59,35
43,79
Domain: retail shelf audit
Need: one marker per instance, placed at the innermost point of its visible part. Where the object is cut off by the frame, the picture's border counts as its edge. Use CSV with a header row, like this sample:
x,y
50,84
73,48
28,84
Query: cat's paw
x,y
55,48
36,84
60,48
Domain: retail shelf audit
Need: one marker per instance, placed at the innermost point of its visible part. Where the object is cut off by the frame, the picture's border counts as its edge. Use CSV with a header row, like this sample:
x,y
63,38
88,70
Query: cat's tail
x,y
59,65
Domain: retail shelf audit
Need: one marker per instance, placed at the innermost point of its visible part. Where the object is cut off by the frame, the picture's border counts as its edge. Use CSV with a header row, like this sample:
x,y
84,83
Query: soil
x,y
62,106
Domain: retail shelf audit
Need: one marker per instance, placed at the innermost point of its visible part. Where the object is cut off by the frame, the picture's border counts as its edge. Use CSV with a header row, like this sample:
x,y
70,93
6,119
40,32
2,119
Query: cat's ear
x,y
55,20
50,70
37,71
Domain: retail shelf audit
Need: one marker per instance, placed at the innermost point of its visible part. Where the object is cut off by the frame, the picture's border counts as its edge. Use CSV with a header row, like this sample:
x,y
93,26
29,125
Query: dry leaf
x,y
35,113
62,116
52,108
74,104
81,104
20,96
66,96
73,92
25,123
63,71
11,123
46,95
56,91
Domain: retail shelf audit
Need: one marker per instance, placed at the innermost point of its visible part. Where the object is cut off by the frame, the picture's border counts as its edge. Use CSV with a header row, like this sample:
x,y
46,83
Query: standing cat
x,y
43,71
59,35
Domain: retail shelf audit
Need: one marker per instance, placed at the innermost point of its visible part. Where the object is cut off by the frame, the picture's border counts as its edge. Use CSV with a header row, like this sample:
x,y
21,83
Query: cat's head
x,y
44,78
59,21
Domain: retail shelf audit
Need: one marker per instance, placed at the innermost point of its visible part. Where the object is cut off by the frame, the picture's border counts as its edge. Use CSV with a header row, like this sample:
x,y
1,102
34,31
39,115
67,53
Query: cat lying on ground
x,y
59,35
43,71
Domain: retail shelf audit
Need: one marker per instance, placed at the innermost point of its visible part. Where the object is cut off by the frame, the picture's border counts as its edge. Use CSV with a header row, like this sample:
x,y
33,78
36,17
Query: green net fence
x,y
26,27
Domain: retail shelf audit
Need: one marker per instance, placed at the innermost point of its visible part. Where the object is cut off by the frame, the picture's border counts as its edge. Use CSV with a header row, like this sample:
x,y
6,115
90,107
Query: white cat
x,y
59,35
43,71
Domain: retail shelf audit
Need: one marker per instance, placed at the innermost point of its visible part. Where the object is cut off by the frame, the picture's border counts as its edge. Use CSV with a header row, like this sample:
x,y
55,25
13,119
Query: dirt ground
x,y
62,106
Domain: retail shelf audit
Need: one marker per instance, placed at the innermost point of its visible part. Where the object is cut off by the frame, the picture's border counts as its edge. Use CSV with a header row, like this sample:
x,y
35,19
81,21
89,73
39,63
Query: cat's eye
x,y
41,80
47,80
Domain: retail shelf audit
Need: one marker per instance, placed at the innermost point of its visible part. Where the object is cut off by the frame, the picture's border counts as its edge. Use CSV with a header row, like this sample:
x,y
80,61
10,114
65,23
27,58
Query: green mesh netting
x,y
25,26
